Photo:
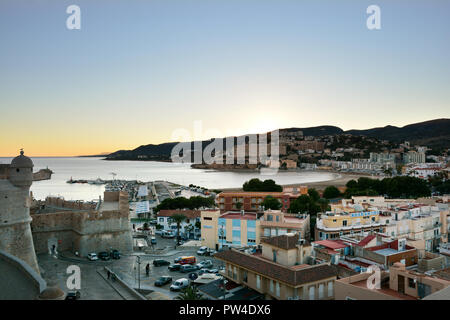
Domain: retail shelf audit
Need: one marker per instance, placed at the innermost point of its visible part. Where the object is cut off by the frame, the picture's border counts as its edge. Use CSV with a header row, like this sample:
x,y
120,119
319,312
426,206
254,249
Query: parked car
x,y
188,268
193,276
153,241
202,251
73,295
92,256
160,262
104,255
210,252
167,234
174,267
204,264
179,284
161,281
204,270
115,254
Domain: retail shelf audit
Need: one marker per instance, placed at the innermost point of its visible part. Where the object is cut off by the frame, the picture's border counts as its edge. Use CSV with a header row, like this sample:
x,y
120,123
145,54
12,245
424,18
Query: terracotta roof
x,y
277,271
190,214
332,244
284,241
366,240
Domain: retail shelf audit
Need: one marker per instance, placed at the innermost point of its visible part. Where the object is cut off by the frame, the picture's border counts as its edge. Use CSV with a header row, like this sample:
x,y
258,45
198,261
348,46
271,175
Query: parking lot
x,y
128,266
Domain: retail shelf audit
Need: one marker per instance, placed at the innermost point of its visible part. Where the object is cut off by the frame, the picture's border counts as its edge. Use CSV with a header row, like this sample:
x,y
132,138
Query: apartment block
x,y
266,273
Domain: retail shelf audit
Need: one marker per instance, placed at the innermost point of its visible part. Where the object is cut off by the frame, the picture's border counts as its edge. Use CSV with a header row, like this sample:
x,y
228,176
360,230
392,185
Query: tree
x,y
271,203
323,204
238,205
313,194
190,293
331,192
268,185
178,219
300,205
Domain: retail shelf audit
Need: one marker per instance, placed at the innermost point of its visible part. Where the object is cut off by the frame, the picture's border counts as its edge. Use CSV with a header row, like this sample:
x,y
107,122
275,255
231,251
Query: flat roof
x,y
387,251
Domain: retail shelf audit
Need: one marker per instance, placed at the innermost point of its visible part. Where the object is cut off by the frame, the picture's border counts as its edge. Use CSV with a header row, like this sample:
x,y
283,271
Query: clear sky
x,y
138,70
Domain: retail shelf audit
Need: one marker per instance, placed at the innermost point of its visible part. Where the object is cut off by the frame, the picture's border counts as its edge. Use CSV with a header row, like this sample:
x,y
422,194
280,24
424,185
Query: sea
x,y
91,168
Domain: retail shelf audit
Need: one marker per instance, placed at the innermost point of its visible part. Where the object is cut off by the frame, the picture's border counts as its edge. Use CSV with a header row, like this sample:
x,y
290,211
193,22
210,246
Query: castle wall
x,y
84,231
15,232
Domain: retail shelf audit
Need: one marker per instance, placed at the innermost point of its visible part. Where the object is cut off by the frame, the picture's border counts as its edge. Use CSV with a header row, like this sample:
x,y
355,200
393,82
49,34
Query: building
x,y
15,232
251,201
276,222
230,229
397,284
265,272
333,225
414,157
189,227
241,229
76,226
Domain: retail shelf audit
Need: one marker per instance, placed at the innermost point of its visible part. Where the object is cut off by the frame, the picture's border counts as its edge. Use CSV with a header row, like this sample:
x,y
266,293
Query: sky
x,y
137,72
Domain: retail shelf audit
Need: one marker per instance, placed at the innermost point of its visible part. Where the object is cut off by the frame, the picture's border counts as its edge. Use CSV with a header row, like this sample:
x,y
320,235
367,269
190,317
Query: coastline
x,y
339,181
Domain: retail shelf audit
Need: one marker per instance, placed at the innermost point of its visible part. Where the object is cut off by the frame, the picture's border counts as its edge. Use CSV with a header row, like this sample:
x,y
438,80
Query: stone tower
x,y
15,219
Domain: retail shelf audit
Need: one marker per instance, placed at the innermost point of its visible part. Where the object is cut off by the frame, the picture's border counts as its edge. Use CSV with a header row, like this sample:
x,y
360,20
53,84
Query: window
x,y
230,270
277,289
235,273
271,285
344,223
312,293
258,281
269,217
330,288
411,283
207,218
321,288
245,276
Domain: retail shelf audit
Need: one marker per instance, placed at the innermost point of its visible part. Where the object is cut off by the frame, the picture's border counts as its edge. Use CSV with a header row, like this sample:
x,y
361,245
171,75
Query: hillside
x,y
434,133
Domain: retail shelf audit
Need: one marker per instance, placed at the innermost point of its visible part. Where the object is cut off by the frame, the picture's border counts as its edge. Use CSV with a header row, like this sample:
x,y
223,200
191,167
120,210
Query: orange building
x,y
251,201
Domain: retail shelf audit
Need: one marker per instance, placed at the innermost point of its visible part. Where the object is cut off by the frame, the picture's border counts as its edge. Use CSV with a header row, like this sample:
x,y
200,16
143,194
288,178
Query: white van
x,y
179,284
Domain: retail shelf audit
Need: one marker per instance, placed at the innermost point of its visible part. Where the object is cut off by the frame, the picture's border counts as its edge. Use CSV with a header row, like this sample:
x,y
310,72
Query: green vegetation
x,y
262,186
178,219
184,203
440,183
271,203
331,192
310,204
397,187
190,293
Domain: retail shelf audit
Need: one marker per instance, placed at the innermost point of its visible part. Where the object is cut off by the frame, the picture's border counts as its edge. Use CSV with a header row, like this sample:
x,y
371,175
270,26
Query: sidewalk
x,y
117,286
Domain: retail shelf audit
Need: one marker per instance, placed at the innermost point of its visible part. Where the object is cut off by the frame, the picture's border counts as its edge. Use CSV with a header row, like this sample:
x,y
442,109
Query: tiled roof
x,y
332,244
275,270
284,241
190,214
366,240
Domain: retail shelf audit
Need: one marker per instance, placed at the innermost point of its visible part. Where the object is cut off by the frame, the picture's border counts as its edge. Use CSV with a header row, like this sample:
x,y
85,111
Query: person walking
x,y
109,274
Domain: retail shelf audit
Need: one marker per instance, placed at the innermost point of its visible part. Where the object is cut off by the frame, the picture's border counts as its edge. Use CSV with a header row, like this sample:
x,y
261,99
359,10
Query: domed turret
x,y
21,171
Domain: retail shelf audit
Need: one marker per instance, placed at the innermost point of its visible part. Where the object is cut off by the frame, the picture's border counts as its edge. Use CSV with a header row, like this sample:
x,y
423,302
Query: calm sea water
x,y
181,173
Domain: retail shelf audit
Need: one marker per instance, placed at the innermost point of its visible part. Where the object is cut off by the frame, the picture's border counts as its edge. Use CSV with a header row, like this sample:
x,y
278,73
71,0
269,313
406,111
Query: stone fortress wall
x,y
80,227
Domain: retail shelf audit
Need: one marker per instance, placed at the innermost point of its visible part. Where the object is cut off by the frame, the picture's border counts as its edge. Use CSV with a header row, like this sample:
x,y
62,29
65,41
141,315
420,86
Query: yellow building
x,y
240,229
279,272
334,225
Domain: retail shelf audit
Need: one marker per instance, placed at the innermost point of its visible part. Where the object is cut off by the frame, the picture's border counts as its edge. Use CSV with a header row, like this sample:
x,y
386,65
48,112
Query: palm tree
x,y
190,293
178,219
